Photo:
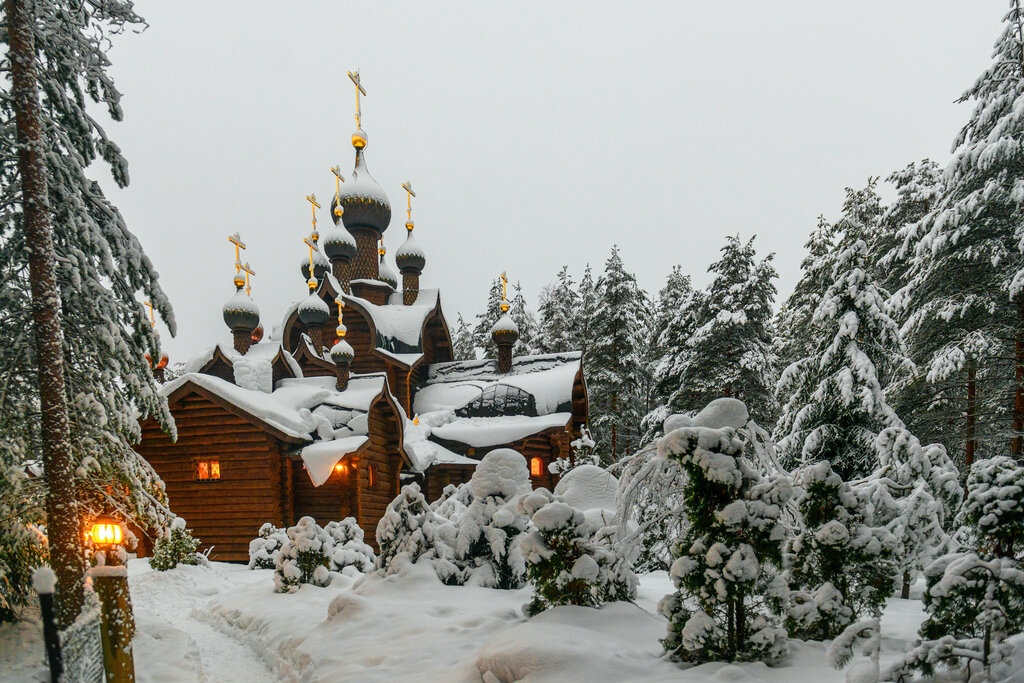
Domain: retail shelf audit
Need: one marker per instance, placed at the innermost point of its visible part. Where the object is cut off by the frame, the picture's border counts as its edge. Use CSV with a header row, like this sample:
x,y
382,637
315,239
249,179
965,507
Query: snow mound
x,y
590,489
722,412
502,472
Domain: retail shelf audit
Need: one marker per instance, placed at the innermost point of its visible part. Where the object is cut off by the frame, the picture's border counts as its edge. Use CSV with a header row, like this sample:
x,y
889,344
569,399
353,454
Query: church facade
x,y
354,394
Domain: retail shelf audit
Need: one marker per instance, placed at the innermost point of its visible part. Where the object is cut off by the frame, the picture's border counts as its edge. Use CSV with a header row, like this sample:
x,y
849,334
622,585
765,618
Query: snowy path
x,y
174,642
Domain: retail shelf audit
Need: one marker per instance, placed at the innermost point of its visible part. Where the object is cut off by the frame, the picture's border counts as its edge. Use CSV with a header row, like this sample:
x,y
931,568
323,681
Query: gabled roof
x,y
246,370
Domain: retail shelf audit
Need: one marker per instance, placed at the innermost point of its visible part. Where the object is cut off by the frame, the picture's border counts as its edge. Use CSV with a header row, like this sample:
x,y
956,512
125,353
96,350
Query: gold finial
x,y
341,326
311,243
358,138
152,319
504,292
409,194
239,244
381,249
247,269
338,180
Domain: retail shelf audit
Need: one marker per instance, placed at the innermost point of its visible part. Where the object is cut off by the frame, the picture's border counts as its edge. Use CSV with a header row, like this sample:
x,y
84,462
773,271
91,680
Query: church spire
x,y
241,315
505,331
410,258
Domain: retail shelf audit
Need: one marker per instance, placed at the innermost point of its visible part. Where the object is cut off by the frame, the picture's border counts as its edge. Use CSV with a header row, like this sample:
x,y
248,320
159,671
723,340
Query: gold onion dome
x,y
241,314
410,255
342,352
338,243
505,330
386,273
313,310
364,203
320,265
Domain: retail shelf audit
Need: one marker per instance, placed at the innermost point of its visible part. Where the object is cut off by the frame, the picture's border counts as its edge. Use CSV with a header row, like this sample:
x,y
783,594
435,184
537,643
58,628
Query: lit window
x,y
207,470
536,467
371,475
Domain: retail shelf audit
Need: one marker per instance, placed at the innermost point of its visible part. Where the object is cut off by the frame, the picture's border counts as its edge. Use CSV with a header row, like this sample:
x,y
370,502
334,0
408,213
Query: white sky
x,y
535,134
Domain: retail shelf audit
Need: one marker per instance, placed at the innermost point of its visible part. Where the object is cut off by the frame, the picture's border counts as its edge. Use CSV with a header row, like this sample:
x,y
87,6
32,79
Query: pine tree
x,y
559,305
614,359
837,404
463,346
106,335
967,294
583,320
525,320
666,355
727,565
729,352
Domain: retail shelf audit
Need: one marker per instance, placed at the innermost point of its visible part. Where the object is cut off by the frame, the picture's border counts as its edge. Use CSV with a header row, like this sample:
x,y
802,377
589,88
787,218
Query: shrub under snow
x,y
568,560
176,547
264,548
304,557
404,528
347,546
726,570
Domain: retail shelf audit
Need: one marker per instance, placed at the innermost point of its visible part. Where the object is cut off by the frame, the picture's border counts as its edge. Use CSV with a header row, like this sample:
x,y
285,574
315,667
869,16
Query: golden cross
x,y
359,89
312,245
239,244
341,326
149,305
409,194
504,284
311,198
338,178
247,269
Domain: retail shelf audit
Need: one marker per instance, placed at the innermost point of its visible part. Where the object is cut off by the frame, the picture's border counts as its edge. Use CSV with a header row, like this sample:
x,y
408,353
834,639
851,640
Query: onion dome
x,y
313,310
505,331
342,352
364,203
387,274
410,256
338,243
320,266
241,314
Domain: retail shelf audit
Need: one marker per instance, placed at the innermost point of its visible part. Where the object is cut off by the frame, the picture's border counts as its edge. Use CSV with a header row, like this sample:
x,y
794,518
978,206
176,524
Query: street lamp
x,y
106,533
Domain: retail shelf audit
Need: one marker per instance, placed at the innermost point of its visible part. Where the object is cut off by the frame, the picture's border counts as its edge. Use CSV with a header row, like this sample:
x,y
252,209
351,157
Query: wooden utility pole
x,y
62,522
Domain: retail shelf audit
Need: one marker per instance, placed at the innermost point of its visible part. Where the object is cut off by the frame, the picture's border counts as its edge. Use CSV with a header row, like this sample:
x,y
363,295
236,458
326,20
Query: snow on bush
x,y
22,550
590,489
176,547
264,548
485,539
403,528
568,561
839,568
582,452
726,566
348,548
975,598
304,557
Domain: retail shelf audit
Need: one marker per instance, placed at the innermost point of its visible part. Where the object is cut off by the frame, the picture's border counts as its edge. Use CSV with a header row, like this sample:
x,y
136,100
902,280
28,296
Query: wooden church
x,y
353,395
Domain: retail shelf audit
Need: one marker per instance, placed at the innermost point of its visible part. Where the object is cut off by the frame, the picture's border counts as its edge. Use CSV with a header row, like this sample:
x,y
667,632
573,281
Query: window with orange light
x,y
208,470
536,467
371,475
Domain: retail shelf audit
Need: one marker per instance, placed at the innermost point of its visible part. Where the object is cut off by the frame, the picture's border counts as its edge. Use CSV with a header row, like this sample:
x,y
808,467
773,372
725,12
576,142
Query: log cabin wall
x,y
381,455
440,476
226,513
332,501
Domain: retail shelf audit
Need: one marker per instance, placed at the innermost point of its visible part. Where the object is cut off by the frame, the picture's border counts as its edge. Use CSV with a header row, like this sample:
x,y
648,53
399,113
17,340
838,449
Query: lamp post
x,y
111,585
106,534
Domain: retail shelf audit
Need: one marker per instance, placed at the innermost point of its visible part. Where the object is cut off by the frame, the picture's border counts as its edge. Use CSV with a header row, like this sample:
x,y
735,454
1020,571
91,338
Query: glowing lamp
x,y
341,467
105,532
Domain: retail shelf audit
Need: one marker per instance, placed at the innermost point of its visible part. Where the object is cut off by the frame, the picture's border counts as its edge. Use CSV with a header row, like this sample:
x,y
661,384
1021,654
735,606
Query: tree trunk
x,y
614,428
1018,394
62,523
971,414
905,591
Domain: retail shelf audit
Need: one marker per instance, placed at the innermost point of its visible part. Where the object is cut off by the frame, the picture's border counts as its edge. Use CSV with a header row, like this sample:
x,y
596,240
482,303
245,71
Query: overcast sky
x,y
535,134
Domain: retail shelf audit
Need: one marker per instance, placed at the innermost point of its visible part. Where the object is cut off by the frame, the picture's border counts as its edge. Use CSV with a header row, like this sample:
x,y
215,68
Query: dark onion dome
x,y
386,273
338,243
410,256
313,311
342,352
320,266
241,314
364,202
505,331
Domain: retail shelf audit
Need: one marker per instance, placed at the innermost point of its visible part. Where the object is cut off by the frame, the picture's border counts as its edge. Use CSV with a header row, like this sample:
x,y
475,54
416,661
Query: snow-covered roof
x,y
254,369
399,328
481,432
548,378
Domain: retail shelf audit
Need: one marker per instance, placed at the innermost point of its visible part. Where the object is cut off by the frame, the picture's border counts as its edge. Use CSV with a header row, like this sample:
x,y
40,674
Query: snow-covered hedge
x,y
348,548
568,560
264,548
176,547
304,557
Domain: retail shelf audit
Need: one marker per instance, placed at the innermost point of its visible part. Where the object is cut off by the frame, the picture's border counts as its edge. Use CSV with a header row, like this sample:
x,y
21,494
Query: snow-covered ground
x,y
225,623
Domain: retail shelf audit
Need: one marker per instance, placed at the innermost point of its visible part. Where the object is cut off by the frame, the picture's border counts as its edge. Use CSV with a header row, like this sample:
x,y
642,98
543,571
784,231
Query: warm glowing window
x,y
371,475
536,467
208,470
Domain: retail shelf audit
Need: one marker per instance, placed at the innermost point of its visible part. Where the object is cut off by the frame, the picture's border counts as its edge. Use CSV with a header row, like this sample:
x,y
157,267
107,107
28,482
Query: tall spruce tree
x,y
525,320
101,271
584,318
837,403
966,299
463,347
559,306
673,325
486,319
618,329
729,352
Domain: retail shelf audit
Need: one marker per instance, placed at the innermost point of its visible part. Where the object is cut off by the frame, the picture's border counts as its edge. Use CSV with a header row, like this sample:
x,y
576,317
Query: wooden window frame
x,y
539,462
371,475
212,467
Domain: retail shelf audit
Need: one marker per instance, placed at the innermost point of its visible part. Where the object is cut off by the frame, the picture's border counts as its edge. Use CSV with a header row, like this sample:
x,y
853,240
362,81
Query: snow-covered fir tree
x,y
463,345
486,540
671,330
837,403
176,546
264,548
103,275
582,451
728,566
485,321
966,297
584,318
518,311
404,528
567,560
304,557
729,352
348,548
615,361
975,597
558,309
525,320
839,568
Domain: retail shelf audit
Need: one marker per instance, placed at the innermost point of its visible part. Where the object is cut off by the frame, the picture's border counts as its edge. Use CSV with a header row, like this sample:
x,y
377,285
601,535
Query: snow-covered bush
x,y
485,541
567,561
22,550
176,547
975,598
839,568
304,557
347,546
453,502
727,564
404,528
582,453
264,548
